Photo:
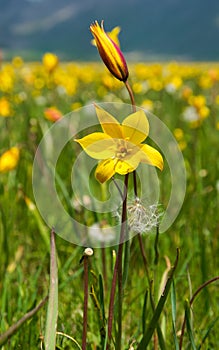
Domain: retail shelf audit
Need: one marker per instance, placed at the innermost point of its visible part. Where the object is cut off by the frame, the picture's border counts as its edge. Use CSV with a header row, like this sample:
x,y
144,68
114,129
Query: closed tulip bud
x,y
110,52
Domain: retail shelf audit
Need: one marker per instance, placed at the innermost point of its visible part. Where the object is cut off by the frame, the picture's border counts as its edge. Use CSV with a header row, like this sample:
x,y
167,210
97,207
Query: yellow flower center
x,y
122,149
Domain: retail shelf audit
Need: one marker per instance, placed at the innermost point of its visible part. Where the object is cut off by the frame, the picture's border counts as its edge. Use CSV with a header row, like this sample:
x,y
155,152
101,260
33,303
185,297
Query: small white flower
x,y
190,114
170,88
101,234
40,100
88,252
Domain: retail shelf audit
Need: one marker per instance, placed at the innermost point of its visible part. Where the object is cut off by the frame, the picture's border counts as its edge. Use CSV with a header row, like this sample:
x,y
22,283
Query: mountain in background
x,y
162,29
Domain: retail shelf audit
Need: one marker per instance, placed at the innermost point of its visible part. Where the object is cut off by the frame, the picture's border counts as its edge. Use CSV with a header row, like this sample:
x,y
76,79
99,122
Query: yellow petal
x,y
151,156
105,170
122,167
130,161
98,145
108,123
114,35
135,127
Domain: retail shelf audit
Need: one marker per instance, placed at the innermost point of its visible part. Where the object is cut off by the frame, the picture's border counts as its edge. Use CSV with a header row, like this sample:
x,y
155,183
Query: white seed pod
x,y
88,252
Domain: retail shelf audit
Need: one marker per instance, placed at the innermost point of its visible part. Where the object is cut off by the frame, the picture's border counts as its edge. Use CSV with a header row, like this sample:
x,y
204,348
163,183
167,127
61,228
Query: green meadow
x,y
170,289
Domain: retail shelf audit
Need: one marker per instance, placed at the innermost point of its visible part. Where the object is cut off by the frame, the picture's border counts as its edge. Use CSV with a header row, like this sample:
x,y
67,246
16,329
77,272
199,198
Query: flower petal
x,y
98,145
105,170
135,127
123,167
151,156
108,123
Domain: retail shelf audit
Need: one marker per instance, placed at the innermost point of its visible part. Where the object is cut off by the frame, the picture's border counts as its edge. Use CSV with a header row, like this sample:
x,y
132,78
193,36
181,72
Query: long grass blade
x,y
52,311
173,304
154,321
144,311
188,324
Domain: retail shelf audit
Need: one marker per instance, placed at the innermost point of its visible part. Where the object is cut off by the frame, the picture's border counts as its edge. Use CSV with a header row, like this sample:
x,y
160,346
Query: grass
x,y
24,237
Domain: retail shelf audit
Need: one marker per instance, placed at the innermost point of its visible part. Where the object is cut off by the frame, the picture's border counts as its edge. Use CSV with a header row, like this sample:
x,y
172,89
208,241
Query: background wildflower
x,y
52,114
50,61
5,107
9,159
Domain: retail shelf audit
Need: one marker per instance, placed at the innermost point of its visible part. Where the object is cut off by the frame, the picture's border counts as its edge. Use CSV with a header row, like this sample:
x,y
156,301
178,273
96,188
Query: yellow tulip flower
x,y
119,147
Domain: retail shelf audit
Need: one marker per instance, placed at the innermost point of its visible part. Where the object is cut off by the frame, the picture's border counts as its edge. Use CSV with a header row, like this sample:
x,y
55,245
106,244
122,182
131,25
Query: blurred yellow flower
x,y
5,108
50,61
179,135
197,101
204,112
6,79
205,82
119,147
186,92
76,105
17,62
109,52
9,159
148,105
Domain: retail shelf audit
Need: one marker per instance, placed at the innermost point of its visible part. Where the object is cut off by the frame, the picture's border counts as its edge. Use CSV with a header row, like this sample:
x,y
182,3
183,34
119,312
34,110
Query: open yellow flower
x,y
9,159
110,52
119,147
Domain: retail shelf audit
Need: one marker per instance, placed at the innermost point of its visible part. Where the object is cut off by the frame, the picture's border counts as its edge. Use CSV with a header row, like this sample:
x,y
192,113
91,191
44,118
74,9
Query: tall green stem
x,y
118,273
131,95
84,335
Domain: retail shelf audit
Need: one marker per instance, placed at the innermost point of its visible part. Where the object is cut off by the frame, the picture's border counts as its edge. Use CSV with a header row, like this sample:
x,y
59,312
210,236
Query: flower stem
x,y
118,273
84,335
131,95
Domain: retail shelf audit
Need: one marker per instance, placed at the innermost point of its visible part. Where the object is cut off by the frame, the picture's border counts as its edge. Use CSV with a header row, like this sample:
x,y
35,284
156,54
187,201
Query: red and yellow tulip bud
x,y
110,52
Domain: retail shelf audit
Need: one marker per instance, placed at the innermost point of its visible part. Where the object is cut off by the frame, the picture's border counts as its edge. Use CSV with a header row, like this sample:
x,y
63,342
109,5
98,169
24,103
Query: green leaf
x,y
188,324
157,312
52,311
173,304
144,312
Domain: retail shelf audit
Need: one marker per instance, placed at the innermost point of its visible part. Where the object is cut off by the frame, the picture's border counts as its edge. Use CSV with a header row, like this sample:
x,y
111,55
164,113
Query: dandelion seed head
x,y
142,219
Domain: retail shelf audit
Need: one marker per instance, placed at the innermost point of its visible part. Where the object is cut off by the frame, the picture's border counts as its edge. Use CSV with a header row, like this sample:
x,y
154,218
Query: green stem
x,y
131,95
118,273
84,335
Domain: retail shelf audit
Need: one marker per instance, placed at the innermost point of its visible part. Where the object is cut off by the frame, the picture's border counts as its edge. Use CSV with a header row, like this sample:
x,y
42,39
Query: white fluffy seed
x,y
88,252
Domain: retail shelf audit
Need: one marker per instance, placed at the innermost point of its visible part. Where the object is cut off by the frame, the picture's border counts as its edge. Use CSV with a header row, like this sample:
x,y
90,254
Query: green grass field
x,y
186,98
